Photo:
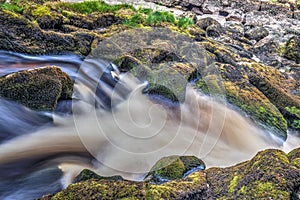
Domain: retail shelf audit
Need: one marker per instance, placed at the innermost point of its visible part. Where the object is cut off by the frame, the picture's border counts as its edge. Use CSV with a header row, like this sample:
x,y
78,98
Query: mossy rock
x,y
38,89
166,72
269,175
292,49
87,174
233,85
173,167
263,92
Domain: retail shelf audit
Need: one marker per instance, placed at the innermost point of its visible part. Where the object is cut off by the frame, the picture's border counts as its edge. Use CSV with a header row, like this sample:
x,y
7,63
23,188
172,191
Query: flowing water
x,y
113,128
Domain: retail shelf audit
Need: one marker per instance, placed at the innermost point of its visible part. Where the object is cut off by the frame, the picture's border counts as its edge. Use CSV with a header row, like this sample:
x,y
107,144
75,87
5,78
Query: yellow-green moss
x,y
40,11
233,183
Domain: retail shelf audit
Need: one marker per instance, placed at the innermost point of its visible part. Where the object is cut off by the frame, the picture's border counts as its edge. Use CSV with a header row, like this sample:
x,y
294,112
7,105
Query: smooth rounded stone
x,y
257,33
173,167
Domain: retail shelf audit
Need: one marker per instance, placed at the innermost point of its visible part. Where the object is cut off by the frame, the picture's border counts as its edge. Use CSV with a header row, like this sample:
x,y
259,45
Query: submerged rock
x,y
271,174
38,89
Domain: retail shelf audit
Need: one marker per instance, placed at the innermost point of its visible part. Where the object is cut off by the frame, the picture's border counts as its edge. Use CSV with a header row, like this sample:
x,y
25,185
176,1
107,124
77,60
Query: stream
x,y
112,128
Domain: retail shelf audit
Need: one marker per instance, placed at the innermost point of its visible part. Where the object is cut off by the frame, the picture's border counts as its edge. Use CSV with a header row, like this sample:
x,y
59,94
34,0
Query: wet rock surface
x,y
270,174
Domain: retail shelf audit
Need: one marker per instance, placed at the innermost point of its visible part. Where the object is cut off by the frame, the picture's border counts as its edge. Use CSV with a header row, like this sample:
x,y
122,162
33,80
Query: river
x,y
113,128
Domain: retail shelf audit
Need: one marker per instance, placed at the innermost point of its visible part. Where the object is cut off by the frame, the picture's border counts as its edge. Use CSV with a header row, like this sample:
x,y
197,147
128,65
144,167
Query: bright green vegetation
x,y
11,7
149,17
134,18
141,16
88,7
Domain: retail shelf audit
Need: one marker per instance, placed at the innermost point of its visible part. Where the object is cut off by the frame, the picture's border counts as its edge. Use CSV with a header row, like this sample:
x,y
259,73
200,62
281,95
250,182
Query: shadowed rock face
x,y
38,89
270,174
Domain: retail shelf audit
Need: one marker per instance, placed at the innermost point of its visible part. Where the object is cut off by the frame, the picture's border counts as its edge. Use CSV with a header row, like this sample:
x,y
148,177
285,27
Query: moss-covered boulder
x,y
269,175
263,92
87,174
38,89
165,70
173,167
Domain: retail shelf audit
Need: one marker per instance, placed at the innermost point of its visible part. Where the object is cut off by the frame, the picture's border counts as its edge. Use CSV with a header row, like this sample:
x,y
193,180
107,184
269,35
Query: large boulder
x,y
269,175
38,89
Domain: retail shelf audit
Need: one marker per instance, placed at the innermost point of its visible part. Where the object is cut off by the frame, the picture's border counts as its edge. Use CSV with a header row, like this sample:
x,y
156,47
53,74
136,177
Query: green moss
x,y
268,190
200,84
296,162
233,184
170,168
293,110
41,11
